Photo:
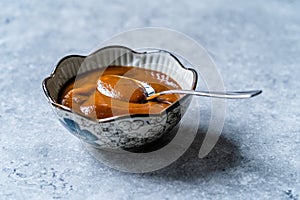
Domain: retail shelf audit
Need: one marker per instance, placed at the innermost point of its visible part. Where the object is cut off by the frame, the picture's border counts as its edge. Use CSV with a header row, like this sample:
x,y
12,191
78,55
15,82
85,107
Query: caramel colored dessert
x,y
126,97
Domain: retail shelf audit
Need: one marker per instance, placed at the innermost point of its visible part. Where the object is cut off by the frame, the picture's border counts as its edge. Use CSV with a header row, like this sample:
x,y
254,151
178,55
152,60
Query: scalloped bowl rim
x,y
153,50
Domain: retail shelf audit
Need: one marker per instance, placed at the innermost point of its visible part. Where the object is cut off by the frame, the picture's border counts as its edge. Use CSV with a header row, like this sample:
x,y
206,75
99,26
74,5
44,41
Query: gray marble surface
x,y
255,45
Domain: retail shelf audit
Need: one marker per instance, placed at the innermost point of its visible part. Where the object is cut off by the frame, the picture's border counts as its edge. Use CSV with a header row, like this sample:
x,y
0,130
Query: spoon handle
x,y
228,95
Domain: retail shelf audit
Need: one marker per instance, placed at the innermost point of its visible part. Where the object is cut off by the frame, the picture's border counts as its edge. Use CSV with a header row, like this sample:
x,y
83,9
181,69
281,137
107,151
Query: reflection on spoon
x,y
122,88
135,91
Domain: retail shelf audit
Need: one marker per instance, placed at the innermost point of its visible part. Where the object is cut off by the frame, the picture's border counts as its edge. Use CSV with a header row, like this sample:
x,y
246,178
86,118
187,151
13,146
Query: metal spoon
x,y
151,94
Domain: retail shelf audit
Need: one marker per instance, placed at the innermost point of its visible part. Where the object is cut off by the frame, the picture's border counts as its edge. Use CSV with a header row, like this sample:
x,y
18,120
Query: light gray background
x,y
255,45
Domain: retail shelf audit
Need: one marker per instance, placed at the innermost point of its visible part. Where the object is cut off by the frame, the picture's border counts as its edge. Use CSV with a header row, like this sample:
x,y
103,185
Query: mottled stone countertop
x,y
255,44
